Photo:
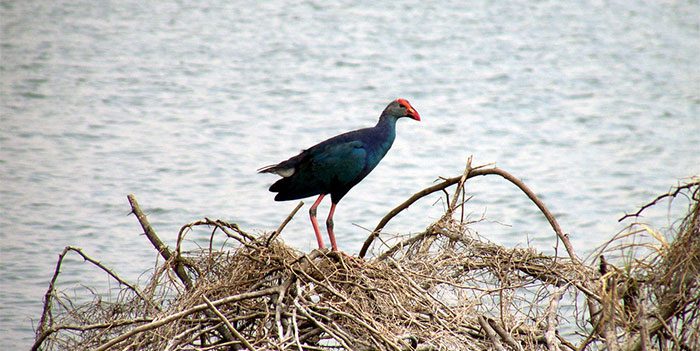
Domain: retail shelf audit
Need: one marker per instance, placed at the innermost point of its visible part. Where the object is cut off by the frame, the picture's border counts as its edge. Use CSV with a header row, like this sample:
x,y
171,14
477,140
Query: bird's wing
x,y
339,162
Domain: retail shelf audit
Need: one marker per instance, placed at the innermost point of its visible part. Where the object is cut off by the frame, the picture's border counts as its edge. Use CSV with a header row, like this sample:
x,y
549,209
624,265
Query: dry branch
x,y
672,193
284,223
471,173
163,249
550,334
491,334
228,324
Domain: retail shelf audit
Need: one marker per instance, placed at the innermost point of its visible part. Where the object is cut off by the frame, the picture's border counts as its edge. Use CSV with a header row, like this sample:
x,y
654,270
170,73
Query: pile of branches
x,y
443,289
652,301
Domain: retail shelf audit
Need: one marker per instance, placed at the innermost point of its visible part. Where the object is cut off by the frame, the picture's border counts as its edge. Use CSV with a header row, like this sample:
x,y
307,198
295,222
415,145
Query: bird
x,y
337,164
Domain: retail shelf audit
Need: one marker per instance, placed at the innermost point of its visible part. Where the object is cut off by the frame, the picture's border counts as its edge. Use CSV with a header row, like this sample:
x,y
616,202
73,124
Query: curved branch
x,y
471,174
427,191
671,193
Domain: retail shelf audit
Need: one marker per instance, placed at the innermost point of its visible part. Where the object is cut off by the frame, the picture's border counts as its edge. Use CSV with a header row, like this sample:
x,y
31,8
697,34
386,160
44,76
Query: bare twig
x,y
671,193
230,229
228,324
284,223
460,185
43,330
132,287
157,243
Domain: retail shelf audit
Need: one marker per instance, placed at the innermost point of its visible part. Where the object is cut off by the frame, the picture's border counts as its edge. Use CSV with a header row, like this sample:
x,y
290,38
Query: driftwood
x,y
442,289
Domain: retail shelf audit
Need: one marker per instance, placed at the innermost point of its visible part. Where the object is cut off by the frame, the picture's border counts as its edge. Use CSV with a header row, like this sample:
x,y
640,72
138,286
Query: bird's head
x,y
401,108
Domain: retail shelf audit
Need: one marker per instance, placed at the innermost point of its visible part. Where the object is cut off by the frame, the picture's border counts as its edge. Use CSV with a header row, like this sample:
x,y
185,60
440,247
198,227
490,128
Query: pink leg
x,y
314,222
329,226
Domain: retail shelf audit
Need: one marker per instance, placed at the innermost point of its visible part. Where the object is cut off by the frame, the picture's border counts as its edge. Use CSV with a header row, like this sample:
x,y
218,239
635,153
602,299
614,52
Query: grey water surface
x,y
593,104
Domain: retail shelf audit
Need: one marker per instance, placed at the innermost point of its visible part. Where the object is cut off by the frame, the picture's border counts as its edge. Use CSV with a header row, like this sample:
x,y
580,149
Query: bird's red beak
x,y
413,113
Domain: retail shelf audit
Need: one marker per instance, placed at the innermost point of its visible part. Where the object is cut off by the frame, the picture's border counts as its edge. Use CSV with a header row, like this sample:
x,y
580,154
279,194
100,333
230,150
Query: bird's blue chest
x,y
377,149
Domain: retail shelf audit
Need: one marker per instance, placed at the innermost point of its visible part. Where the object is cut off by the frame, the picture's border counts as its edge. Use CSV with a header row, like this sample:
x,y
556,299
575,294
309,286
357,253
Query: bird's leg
x,y
329,226
314,222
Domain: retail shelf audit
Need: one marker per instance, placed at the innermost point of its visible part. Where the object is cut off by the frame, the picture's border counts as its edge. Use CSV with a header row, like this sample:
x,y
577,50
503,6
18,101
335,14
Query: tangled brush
x,y
443,289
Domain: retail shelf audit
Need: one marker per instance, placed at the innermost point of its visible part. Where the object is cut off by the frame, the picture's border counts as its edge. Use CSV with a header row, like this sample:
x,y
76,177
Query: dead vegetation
x,y
442,289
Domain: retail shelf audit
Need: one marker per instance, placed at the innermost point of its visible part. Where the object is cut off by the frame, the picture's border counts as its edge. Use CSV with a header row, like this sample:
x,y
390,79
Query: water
x,y
594,105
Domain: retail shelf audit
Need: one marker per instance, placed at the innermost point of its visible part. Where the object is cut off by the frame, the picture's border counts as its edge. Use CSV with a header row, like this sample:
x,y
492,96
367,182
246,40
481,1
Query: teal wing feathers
x,y
339,164
328,168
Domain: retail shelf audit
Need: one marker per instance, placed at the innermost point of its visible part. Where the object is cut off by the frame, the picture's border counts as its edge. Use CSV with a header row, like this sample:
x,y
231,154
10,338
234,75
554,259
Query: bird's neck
x,y
387,122
386,129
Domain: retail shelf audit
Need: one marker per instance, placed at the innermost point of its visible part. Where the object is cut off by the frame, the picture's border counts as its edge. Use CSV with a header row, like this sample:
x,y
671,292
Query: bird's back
x,y
333,166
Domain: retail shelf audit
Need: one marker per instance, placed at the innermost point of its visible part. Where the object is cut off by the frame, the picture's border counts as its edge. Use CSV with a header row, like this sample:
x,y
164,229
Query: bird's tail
x,y
266,169
278,169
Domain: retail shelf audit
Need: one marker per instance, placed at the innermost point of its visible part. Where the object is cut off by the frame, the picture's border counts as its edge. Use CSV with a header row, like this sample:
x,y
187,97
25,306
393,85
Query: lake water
x,y
594,104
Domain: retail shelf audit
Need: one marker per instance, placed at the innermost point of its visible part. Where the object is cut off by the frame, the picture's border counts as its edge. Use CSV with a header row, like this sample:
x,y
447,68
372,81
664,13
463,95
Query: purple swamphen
x,y
336,165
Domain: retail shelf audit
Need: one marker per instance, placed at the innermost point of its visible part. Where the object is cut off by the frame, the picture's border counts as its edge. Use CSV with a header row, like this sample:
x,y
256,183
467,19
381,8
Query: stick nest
x,y
442,289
